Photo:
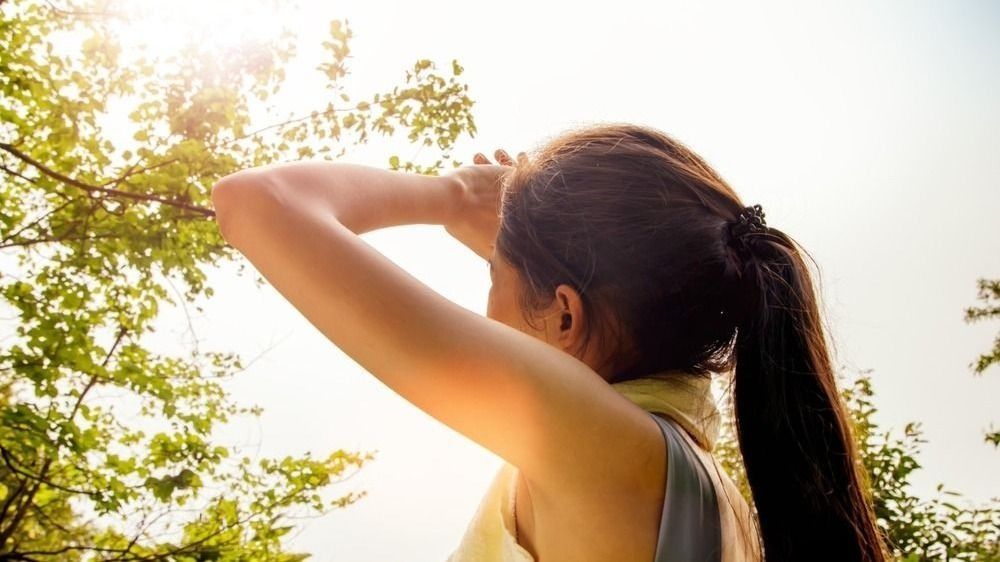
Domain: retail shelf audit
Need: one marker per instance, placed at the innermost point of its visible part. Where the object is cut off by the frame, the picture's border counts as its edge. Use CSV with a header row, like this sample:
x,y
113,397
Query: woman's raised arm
x,y
530,403
361,198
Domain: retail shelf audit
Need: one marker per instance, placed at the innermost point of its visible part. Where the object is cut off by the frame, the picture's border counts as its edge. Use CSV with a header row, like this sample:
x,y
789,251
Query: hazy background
x,y
867,132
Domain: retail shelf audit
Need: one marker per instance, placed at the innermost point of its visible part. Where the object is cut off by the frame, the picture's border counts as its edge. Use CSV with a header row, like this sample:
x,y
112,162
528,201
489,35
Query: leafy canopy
x,y
107,155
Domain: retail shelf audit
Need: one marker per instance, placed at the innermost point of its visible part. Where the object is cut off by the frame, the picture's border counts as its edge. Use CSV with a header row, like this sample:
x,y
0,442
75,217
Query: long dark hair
x,y
640,226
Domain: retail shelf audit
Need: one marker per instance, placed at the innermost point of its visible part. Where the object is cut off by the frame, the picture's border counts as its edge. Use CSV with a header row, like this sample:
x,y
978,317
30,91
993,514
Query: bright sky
x,y
868,132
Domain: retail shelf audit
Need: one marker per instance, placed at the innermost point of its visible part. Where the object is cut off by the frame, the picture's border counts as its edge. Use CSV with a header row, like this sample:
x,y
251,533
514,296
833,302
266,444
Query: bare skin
x,y
592,464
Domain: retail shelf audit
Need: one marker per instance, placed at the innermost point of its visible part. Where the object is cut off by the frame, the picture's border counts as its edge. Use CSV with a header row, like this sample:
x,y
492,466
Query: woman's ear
x,y
569,326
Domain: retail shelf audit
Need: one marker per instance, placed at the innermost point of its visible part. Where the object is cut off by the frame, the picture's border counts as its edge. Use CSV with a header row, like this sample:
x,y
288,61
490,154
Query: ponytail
x,y
635,217
799,454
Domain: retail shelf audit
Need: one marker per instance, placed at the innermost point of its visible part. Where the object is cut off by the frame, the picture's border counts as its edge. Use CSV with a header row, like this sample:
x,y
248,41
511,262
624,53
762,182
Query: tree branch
x,y
23,507
17,174
12,496
92,189
134,171
282,124
87,14
42,475
34,222
8,460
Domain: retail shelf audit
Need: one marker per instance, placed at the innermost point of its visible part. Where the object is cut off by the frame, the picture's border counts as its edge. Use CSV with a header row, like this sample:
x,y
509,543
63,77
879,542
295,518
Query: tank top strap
x,y
690,527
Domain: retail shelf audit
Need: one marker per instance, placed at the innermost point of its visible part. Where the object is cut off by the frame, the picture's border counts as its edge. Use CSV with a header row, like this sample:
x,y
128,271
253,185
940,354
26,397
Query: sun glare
x,y
161,29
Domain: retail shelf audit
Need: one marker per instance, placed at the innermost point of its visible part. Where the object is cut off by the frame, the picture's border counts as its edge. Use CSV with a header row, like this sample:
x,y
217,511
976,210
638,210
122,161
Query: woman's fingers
x,y
503,158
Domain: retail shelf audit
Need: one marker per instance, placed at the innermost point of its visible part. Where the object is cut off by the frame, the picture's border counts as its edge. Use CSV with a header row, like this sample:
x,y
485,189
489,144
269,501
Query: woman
x,y
625,273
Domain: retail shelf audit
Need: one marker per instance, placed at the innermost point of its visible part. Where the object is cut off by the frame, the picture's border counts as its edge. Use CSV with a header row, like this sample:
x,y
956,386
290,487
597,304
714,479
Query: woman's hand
x,y
477,219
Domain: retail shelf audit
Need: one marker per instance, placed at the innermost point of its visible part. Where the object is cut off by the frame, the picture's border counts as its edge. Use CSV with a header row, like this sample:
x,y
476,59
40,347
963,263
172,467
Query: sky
x,y
868,132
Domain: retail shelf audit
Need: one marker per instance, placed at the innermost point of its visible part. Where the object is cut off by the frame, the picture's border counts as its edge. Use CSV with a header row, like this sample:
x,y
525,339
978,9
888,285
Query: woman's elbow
x,y
236,197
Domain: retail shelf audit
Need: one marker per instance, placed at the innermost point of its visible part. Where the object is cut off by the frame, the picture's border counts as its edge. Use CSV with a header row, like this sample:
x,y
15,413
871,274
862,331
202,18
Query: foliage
x,y
989,294
97,233
917,529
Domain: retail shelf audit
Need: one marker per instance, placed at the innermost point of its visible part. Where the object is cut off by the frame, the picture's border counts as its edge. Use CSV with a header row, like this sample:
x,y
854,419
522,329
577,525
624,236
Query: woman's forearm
x,y
362,198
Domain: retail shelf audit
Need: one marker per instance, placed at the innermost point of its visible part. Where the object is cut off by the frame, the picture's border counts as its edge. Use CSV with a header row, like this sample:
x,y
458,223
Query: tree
x,y
989,294
97,232
917,529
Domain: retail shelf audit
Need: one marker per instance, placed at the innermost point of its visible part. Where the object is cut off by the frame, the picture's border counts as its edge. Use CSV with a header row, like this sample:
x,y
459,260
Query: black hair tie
x,y
750,220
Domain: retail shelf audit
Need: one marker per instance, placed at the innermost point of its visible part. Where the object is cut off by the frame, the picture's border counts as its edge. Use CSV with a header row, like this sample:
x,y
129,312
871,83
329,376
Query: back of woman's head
x,y
641,227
